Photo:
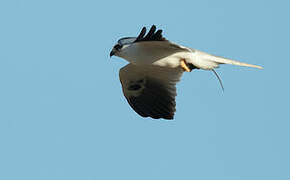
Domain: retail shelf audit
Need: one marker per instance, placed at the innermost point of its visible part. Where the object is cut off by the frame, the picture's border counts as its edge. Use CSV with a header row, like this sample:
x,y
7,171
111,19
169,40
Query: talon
x,y
184,66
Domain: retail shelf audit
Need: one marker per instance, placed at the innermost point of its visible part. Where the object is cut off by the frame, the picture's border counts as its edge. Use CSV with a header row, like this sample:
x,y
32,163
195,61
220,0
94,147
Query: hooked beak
x,y
112,53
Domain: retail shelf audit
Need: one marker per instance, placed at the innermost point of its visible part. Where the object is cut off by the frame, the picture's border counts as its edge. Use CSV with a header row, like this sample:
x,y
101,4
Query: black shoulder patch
x,y
152,35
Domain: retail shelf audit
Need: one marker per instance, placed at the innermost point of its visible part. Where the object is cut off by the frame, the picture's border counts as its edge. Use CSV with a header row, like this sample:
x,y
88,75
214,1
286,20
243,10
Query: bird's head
x,y
122,44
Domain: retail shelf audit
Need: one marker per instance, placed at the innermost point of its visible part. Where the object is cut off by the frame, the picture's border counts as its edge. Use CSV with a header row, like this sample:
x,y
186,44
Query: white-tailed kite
x,y
155,66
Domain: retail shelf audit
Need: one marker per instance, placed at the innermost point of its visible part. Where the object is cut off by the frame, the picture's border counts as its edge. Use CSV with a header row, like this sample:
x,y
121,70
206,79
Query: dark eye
x,y
117,46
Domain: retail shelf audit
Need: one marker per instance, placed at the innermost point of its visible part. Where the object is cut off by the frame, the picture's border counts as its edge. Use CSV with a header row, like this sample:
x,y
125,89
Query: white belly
x,y
172,61
158,54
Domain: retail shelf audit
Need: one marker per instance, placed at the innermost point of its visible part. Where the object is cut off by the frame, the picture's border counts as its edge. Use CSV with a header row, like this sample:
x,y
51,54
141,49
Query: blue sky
x,y
63,116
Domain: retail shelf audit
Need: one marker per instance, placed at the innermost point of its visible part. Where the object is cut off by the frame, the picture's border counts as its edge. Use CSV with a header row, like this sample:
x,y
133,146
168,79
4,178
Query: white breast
x,y
159,53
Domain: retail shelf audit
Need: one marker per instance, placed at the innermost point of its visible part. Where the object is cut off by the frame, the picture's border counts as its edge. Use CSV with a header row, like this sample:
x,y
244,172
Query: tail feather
x,y
222,60
208,61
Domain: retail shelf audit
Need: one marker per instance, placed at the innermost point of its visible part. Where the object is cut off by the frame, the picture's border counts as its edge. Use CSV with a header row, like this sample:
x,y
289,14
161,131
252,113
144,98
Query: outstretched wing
x,y
150,90
152,35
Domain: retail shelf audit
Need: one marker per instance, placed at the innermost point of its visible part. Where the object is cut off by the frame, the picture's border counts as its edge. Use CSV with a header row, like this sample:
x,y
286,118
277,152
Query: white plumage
x,y
156,65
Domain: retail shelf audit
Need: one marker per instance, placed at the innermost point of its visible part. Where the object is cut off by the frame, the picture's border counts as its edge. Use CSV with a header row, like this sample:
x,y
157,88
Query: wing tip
x,y
171,117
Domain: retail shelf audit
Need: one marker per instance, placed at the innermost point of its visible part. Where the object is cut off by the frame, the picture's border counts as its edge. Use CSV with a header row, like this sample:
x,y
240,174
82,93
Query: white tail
x,y
208,61
222,60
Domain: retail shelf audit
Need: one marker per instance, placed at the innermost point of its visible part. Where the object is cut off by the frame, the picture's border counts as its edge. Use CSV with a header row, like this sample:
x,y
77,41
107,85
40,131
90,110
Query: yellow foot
x,y
184,66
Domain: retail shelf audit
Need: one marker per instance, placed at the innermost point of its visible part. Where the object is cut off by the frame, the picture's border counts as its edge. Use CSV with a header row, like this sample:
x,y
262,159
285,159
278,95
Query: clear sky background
x,y
63,115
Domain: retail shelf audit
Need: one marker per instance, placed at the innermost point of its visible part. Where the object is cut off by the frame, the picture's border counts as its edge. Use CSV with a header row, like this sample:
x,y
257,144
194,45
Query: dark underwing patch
x,y
134,87
155,101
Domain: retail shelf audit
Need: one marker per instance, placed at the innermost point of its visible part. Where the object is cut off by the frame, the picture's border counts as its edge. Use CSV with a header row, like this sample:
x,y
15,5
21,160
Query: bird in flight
x,y
155,66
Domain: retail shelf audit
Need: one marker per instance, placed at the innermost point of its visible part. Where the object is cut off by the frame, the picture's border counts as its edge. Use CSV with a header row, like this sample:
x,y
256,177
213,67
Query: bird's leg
x,y
184,65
